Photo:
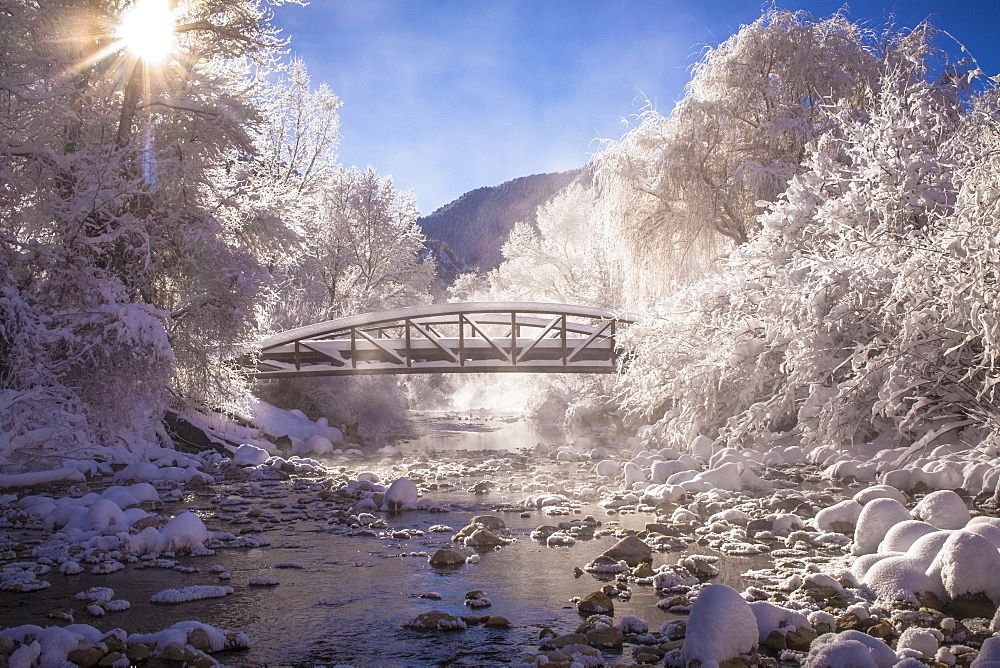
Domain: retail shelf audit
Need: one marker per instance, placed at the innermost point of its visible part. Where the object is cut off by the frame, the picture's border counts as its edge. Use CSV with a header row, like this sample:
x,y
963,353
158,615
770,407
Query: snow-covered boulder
x,y
875,520
402,493
721,626
944,509
849,648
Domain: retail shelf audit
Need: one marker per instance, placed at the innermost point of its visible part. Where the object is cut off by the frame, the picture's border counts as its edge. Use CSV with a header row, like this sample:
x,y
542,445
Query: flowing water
x,y
348,601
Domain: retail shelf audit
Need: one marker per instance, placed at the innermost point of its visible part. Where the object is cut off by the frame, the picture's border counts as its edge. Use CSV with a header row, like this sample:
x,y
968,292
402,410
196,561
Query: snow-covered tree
x,y
684,188
126,274
563,259
362,253
855,311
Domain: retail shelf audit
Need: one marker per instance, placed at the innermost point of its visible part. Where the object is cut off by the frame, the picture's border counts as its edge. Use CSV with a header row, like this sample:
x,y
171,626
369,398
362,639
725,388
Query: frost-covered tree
x,y
563,259
684,188
361,252
127,272
854,313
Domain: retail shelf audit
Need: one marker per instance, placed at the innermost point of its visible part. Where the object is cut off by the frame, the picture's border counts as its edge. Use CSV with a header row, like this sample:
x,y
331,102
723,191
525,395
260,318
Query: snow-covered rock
x,y
721,626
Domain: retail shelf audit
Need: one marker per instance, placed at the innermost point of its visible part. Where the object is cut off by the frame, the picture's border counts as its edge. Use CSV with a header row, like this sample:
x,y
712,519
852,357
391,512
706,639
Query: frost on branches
x,y
865,304
126,269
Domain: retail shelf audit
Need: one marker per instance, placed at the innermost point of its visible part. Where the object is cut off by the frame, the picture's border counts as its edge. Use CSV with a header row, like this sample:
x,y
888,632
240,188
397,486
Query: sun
x,y
147,30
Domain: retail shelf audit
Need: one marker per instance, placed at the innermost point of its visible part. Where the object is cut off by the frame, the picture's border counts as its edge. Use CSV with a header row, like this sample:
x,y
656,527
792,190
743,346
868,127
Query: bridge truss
x,y
471,337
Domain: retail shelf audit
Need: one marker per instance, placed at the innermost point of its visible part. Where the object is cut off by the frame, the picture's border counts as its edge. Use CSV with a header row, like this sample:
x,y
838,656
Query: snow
x,y
276,422
876,518
901,536
249,455
944,509
721,626
849,648
968,564
402,494
771,617
845,512
190,593
28,479
185,532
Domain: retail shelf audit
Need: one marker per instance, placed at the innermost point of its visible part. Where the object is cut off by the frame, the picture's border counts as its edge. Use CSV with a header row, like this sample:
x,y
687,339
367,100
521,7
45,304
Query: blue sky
x,y
451,95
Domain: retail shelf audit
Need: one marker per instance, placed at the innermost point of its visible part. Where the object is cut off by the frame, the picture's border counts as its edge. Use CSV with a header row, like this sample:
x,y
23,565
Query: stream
x,y
344,599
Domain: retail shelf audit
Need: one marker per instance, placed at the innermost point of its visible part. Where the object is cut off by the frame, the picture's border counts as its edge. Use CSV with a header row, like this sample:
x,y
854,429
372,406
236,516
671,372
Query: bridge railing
x,y
469,337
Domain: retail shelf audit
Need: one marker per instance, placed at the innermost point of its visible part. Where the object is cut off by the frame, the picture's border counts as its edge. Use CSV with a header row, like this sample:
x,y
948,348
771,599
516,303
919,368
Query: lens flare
x,y
147,30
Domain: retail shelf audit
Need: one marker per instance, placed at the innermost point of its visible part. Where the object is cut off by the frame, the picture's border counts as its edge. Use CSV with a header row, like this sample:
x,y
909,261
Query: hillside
x,y
476,225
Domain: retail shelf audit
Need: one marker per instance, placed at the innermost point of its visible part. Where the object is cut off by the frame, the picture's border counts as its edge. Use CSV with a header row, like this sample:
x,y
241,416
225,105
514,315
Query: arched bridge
x,y
470,337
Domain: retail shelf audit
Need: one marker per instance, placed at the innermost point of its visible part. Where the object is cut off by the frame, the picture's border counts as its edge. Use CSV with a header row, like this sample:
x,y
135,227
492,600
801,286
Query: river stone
x,y
199,639
776,641
491,522
85,654
643,570
631,550
110,659
606,637
436,620
800,639
967,605
7,645
137,652
481,537
446,557
881,630
177,652
595,603
566,640
498,622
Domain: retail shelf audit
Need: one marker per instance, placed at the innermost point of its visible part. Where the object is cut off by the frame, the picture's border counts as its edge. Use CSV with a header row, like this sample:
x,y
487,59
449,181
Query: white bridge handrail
x,y
365,320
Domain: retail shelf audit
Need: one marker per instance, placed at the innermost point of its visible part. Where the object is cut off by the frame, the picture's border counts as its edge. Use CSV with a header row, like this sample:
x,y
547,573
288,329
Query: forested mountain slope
x,y
478,223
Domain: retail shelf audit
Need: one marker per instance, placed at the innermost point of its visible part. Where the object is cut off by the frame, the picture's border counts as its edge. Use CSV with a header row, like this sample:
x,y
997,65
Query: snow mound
x,y
875,520
849,648
944,509
721,626
190,593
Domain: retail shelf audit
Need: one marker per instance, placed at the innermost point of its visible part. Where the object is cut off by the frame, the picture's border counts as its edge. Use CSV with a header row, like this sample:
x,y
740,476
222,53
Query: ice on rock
x,y
721,626
190,593
944,509
633,624
849,648
771,617
875,520
402,493
901,536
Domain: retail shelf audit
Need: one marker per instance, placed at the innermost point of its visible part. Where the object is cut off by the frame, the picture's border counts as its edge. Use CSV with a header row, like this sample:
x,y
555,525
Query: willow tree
x,y
685,187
